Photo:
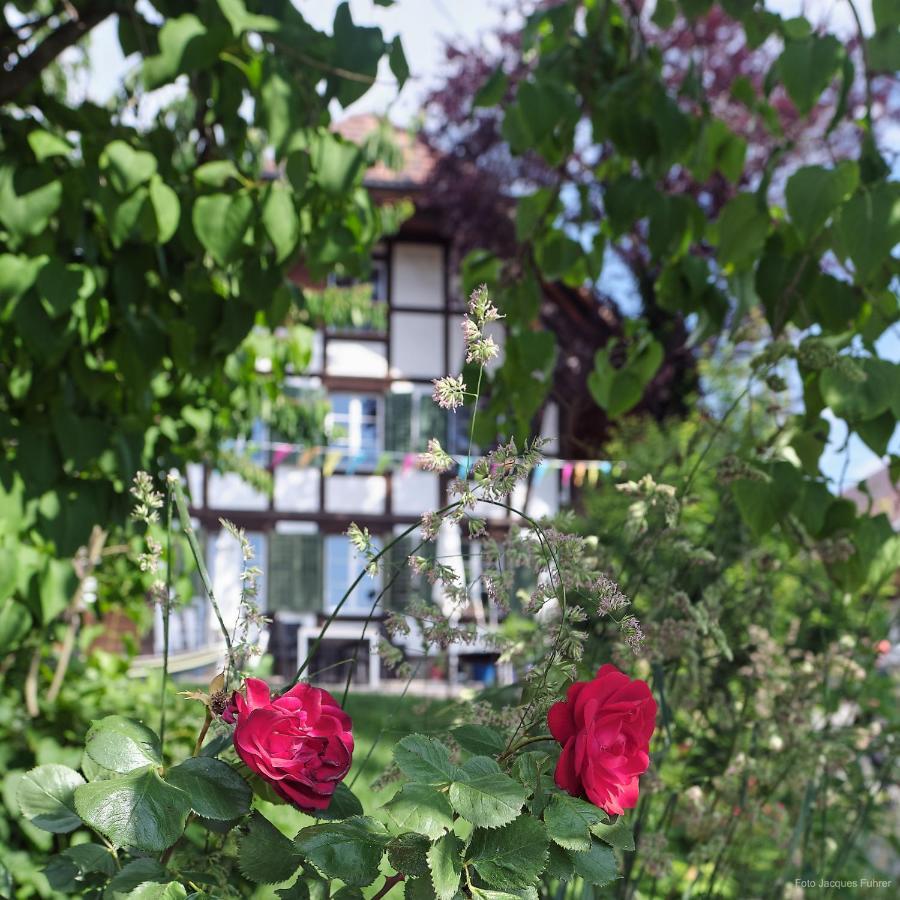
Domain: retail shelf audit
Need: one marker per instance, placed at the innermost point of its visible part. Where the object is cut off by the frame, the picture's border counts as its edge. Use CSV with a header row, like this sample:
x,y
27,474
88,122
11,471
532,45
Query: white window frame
x,y
339,573
352,442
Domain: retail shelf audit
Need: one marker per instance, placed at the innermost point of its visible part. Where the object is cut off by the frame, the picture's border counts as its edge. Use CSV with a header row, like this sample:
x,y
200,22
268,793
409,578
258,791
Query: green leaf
x,y
166,209
185,45
488,801
446,866
45,145
408,853
90,858
597,865
764,503
216,173
279,218
815,193
17,274
134,874
742,228
335,163
136,810
61,286
569,821
344,804
355,49
15,623
221,221
617,834
425,760
868,229
399,65
420,808
156,891
125,167
28,199
46,796
265,855
559,863
807,67
856,400
122,745
215,789
619,389
480,739
349,850
241,20
512,857
493,90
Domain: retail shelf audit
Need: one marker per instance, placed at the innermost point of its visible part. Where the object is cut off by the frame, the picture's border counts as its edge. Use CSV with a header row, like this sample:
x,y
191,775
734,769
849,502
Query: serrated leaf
x,y
349,850
480,765
344,804
488,801
215,789
420,808
265,855
617,834
446,866
136,810
122,745
597,865
133,874
425,760
153,890
408,853
559,863
479,739
512,857
91,858
46,796
569,821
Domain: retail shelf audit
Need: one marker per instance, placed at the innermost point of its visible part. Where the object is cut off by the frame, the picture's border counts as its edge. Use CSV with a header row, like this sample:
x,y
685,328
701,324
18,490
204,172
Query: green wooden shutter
x,y
309,573
432,423
398,422
295,572
407,584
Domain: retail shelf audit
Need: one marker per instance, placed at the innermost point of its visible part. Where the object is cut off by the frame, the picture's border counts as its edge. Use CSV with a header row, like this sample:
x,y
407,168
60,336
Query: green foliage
x,y
425,760
143,265
422,809
569,821
512,857
265,855
137,810
349,850
216,791
46,796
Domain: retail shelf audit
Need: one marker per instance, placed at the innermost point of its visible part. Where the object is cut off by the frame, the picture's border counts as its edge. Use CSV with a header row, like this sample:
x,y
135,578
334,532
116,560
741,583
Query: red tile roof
x,y
418,160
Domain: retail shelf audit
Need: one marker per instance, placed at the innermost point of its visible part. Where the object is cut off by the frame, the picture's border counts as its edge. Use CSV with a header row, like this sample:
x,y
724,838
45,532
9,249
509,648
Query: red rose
x,y
604,727
299,742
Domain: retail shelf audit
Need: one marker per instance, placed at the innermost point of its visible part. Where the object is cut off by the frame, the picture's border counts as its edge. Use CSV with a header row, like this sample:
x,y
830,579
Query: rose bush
x,y
604,726
301,742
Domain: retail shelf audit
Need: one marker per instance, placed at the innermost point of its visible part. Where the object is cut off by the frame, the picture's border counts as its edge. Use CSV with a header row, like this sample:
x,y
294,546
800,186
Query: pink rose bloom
x,y
300,742
604,727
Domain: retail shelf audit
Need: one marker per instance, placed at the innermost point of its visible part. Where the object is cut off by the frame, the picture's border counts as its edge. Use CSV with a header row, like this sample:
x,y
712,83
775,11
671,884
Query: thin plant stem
x,y
184,515
333,615
166,611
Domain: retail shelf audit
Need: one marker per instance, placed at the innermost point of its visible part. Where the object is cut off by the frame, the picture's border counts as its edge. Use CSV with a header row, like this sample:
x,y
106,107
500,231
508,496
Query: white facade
x,y
379,385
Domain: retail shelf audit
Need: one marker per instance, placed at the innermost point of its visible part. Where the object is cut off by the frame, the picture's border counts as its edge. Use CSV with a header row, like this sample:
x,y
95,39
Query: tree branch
x,y
70,32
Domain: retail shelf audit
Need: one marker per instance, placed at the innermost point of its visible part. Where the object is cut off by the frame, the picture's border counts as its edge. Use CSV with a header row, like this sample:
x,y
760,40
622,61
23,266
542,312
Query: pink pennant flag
x,y
567,474
280,453
409,462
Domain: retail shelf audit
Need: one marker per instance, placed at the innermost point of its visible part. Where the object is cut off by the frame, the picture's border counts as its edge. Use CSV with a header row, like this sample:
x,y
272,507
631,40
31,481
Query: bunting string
x,y
348,461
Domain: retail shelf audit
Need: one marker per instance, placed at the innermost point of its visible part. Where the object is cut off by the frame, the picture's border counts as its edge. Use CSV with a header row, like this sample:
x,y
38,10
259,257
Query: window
x,y
358,304
354,425
342,566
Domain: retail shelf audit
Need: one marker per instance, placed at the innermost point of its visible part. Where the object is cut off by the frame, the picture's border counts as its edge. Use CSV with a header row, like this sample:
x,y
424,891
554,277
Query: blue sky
x,y
424,26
